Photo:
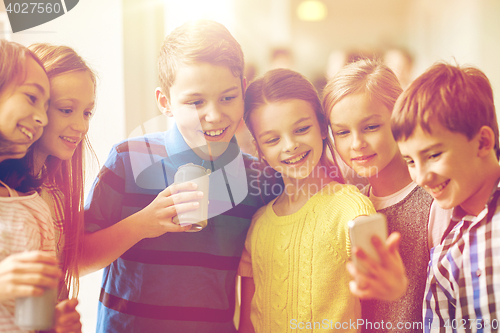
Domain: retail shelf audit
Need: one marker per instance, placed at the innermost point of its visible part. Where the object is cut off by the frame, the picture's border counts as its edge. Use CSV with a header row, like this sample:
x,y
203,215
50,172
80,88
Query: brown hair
x,y
198,41
68,175
460,98
13,58
280,85
363,76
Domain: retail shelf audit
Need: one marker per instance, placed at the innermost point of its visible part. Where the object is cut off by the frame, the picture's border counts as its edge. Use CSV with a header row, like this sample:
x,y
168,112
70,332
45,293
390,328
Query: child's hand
x,y
175,199
385,281
28,274
67,318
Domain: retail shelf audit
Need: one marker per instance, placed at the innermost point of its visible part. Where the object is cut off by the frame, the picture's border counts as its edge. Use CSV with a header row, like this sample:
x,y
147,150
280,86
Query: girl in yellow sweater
x,y
293,267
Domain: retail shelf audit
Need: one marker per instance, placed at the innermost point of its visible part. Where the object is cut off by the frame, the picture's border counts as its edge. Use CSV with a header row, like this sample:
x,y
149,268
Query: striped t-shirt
x,y
25,225
178,282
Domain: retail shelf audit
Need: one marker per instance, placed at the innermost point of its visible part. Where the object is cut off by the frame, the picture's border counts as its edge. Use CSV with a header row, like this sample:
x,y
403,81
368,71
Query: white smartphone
x,y
361,231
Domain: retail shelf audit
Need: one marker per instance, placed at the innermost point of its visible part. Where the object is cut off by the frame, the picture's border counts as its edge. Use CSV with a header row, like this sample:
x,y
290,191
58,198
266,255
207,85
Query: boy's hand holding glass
x,y
385,280
158,215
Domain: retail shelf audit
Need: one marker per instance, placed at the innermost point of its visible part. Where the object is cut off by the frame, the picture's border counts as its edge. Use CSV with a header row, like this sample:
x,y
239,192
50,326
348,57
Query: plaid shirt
x,y
463,277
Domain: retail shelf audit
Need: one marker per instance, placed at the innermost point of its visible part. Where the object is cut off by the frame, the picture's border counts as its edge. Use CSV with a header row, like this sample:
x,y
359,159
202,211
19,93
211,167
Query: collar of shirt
x,y
160,173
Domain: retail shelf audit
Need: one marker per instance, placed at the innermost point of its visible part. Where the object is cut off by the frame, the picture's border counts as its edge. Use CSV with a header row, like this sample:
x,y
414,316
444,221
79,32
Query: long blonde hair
x,y
363,76
68,175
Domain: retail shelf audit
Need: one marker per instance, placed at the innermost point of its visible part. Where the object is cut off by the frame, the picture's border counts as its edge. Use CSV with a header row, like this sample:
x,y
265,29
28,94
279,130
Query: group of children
x,y
430,155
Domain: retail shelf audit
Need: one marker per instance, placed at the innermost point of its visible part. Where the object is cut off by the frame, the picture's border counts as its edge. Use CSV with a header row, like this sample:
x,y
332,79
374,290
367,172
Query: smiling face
x,y
444,163
362,133
23,110
71,106
207,103
289,137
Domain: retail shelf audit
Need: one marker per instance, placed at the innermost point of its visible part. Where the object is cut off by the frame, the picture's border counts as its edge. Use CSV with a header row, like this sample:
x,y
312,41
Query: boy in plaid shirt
x,y
446,128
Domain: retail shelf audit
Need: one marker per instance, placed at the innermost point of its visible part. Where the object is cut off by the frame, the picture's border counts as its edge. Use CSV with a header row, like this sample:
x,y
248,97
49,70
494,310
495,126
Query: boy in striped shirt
x,y
447,131
157,279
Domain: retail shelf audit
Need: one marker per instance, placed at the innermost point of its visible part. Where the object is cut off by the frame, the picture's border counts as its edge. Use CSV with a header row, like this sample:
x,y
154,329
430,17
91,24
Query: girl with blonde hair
x,y
358,101
59,155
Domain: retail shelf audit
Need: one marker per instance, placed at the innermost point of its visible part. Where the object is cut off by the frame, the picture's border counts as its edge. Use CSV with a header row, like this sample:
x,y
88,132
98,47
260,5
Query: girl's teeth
x,y
27,133
68,139
295,160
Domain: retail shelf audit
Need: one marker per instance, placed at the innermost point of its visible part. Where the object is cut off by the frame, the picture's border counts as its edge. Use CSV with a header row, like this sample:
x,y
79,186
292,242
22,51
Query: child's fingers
x,y
36,256
368,263
67,305
392,242
35,280
183,197
74,327
176,188
68,319
351,268
382,250
360,278
364,293
174,210
25,290
72,303
173,227
367,287
359,253
34,269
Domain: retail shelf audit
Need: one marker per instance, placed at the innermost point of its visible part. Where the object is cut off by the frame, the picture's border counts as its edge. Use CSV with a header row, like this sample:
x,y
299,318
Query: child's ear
x,y
162,102
486,139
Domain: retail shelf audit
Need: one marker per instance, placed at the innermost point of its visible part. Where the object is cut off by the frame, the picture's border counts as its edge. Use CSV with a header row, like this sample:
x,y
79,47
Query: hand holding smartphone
x,y
361,231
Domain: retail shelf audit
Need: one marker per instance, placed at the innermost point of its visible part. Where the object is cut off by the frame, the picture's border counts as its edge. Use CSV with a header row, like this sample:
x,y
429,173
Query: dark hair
x,y
460,98
17,173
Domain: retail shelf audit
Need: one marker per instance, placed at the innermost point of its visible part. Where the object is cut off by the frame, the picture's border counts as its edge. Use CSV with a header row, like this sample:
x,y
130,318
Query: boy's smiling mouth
x,y
296,159
437,189
440,187
215,133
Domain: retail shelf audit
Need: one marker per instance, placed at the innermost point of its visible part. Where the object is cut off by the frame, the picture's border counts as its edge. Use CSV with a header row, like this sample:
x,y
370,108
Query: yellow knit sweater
x,y
298,263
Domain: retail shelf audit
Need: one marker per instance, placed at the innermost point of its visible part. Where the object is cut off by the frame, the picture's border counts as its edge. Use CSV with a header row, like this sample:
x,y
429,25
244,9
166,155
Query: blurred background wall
x,y
121,39
315,37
